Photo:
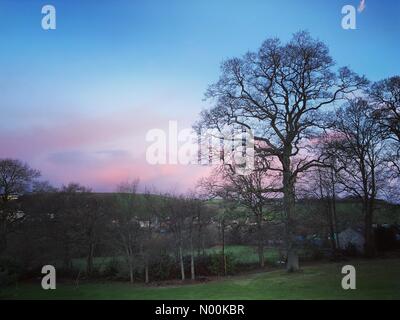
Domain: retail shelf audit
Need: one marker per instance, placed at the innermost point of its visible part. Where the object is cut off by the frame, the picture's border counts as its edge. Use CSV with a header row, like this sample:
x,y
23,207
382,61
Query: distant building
x,y
10,197
352,237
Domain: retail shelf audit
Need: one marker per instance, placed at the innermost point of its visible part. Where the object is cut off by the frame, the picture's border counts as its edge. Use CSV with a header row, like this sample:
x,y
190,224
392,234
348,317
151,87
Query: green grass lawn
x,y
376,279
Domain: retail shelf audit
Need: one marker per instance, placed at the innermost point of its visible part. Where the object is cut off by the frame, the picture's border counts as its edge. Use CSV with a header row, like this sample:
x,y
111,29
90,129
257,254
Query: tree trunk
x,y
192,271
129,256
335,220
369,247
89,264
146,272
147,252
223,246
181,263
292,261
327,201
332,235
130,271
292,264
260,241
200,244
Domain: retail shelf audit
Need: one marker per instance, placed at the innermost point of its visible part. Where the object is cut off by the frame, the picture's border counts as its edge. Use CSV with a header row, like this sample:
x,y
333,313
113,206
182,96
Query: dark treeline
x,y
147,237
143,236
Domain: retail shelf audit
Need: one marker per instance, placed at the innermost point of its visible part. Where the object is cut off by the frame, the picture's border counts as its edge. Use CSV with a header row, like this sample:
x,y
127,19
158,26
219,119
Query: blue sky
x,y
112,70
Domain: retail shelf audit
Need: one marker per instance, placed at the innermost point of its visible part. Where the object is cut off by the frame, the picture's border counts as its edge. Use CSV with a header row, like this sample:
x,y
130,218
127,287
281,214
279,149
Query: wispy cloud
x,y
96,151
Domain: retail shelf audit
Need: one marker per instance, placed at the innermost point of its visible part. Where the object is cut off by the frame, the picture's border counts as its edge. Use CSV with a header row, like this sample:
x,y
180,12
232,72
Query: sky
x,y
77,102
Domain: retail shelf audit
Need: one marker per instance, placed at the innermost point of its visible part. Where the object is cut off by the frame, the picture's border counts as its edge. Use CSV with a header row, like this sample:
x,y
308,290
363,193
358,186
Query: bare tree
x,y
320,184
88,211
16,178
218,187
177,219
249,191
277,93
93,212
126,223
197,213
386,98
43,187
194,207
360,152
74,221
151,217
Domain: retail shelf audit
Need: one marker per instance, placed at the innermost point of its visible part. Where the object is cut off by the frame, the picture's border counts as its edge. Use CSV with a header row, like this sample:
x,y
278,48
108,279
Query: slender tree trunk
x,y
192,269
332,235
147,253
223,246
368,209
335,219
146,272
260,241
89,263
181,262
370,248
131,270
199,236
129,255
326,203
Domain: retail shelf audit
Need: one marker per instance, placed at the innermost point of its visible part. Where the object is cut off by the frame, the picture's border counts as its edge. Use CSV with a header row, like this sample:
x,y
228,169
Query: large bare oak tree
x,y
277,92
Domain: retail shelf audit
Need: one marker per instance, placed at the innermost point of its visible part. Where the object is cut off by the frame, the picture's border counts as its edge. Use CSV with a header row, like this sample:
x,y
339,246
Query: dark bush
x,y
351,250
214,265
164,267
312,251
385,238
111,269
6,278
10,271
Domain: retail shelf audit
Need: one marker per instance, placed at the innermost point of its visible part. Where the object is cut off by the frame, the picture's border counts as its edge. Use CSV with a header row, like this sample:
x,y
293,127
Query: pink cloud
x,y
99,152
75,132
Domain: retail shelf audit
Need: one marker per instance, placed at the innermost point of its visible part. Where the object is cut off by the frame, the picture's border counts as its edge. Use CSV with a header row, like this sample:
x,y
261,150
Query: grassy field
x,y
247,254
241,254
377,279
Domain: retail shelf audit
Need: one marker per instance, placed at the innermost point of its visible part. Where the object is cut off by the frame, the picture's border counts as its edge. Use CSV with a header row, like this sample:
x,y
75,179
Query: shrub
x,y
7,279
164,267
111,269
217,265
351,250
10,271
